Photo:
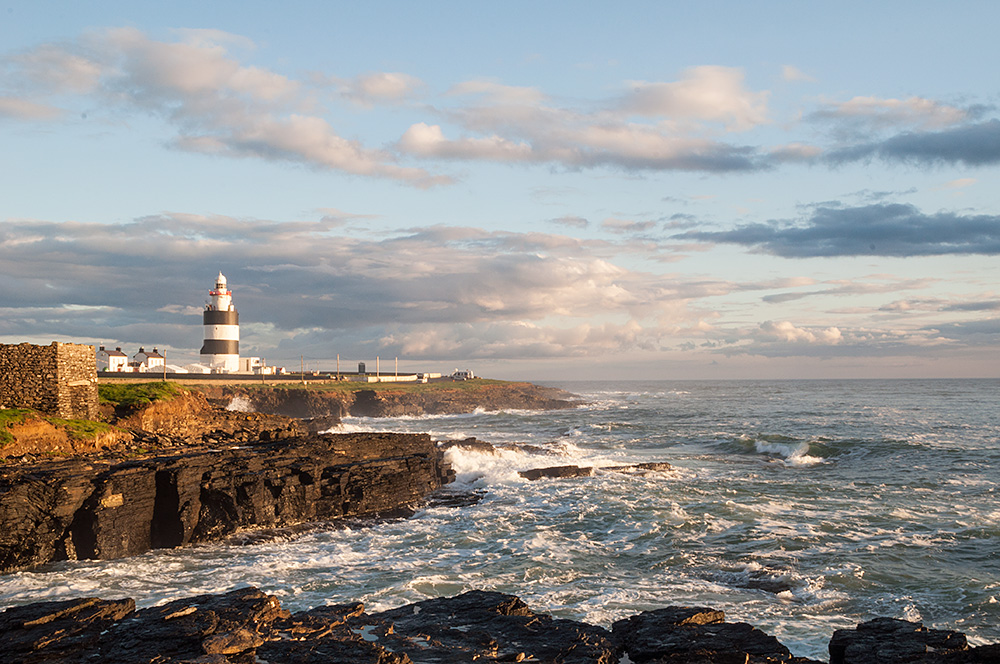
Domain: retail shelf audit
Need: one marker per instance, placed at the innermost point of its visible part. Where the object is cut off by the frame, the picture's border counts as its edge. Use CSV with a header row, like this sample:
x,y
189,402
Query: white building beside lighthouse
x,y
221,350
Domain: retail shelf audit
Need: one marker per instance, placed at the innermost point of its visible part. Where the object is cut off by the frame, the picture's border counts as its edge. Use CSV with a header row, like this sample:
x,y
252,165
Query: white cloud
x,y
381,88
879,112
216,104
429,141
704,94
793,73
787,332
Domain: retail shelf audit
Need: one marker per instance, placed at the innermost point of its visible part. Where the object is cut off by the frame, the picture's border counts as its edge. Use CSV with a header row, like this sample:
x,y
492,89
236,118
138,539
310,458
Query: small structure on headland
x,y
145,360
221,350
59,379
112,360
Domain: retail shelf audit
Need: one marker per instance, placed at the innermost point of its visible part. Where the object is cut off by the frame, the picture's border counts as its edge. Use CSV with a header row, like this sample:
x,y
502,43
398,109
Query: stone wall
x,y
59,379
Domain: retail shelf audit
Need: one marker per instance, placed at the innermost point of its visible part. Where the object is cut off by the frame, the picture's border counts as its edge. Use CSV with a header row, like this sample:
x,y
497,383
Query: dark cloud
x,y
987,305
977,332
874,230
971,145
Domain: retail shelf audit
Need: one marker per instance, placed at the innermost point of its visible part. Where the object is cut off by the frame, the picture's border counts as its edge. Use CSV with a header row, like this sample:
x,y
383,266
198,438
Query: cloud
x,y
984,305
704,94
786,331
431,293
498,94
381,88
960,183
429,141
296,279
971,144
874,230
795,152
792,73
893,113
849,288
213,102
614,225
570,220
23,109
652,126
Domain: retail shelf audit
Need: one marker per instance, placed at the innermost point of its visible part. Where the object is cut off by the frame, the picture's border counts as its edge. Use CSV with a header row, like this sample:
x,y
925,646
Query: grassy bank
x,y
138,394
75,429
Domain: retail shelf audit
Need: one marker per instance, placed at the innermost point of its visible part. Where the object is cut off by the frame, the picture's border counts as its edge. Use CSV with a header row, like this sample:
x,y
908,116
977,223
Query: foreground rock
x,y
890,640
91,508
690,635
246,626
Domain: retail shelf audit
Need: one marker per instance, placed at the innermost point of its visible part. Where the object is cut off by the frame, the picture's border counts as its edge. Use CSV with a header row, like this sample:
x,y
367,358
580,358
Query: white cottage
x,y
112,360
145,361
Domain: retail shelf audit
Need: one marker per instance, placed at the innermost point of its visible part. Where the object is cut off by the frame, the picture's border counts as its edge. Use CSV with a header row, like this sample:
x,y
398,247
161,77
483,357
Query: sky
x,y
540,191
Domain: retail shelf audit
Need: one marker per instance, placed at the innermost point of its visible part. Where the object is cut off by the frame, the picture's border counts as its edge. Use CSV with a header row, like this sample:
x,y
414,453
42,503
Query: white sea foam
x,y
792,454
240,404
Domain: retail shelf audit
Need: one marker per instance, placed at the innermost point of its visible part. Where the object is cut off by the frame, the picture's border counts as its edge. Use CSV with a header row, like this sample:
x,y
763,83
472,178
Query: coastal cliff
x,y
95,508
246,626
390,400
174,466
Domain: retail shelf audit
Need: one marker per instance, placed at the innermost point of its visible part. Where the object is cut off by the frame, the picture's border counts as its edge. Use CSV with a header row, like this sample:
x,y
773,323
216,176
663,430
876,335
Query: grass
x,y
10,416
138,394
81,429
78,429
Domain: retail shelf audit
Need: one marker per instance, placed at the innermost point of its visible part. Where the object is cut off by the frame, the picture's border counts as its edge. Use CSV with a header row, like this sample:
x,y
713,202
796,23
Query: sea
x,y
800,507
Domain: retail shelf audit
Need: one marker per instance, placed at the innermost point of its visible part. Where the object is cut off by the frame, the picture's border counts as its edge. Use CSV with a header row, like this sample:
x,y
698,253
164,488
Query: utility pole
x,y
302,369
338,366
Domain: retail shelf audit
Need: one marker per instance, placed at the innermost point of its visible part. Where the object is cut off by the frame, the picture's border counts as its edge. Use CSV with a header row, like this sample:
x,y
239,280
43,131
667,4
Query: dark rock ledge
x,y
100,508
246,626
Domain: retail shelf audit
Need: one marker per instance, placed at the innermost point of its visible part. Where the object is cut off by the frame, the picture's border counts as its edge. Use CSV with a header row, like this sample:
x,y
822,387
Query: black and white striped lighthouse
x,y
221,350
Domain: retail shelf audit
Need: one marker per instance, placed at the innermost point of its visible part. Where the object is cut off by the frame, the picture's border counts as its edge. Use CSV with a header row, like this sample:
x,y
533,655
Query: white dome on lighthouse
x,y
220,281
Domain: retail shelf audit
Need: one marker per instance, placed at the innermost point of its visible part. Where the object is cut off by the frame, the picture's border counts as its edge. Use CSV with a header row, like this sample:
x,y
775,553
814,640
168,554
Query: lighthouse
x,y
221,350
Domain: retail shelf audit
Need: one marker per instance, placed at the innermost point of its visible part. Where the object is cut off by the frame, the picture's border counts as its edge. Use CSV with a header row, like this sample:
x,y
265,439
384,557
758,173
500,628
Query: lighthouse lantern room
x,y
221,350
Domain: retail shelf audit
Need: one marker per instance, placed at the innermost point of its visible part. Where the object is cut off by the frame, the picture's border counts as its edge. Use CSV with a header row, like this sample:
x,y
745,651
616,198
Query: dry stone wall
x,y
59,379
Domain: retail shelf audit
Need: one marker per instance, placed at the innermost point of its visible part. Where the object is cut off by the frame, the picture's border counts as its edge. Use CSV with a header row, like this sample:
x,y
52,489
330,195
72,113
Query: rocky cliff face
x,y
248,626
390,402
105,508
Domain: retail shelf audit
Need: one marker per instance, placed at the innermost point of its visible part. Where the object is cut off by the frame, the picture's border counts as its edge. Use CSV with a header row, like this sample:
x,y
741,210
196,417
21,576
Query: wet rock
x,y
651,466
557,472
58,631
470,444
247,626
103,509
492,626
888,641
690,634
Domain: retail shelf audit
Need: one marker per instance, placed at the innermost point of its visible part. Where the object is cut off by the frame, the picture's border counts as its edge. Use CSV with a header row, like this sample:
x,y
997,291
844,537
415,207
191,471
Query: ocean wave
x,y
240,404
